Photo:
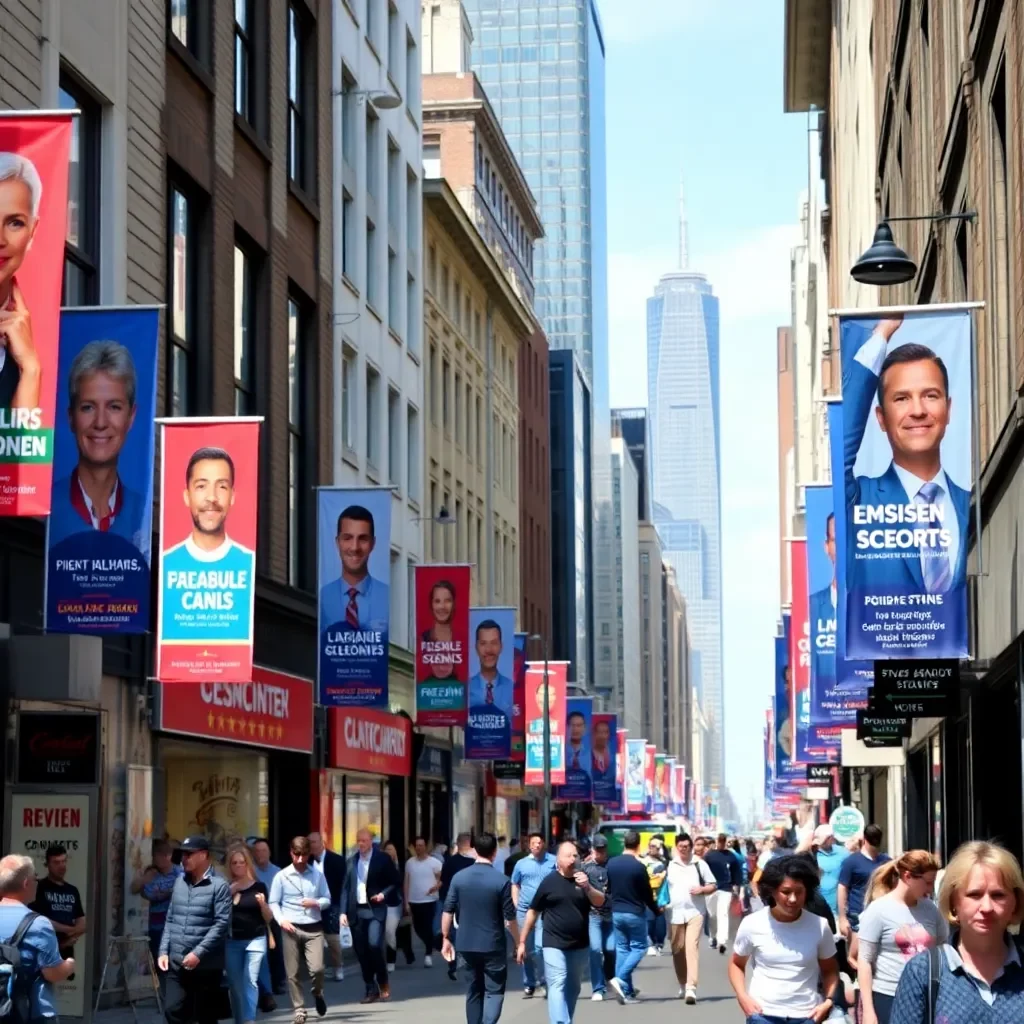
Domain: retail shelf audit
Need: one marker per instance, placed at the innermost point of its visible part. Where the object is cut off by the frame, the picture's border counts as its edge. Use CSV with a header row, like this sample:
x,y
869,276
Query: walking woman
x,y
895,927
979,974
397,935
247,940
794,973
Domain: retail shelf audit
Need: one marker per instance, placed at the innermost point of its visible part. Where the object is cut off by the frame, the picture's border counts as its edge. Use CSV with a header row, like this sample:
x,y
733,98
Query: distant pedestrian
x,y
299,896
854,875
729,878
631,897
398,928
602,930
333,867
422,882
155,885
563,901
690,882
481,899
527,876
272,974
830,856
522,849
656,864
195,937
502,854
462,858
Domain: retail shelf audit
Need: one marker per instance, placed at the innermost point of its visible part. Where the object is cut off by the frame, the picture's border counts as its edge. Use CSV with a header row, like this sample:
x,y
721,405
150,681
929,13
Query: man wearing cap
x,y
602,931
830,856
195,934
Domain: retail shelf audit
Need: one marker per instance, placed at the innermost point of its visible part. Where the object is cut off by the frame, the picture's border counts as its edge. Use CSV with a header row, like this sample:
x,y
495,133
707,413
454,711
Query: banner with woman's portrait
x,y
34,213
442,644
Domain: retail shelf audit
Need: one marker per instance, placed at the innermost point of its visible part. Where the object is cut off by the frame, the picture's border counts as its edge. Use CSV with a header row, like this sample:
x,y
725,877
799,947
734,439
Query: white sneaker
x,y
691,997
391,970
679,994
620,993
597,997
428,961
339,973
651,951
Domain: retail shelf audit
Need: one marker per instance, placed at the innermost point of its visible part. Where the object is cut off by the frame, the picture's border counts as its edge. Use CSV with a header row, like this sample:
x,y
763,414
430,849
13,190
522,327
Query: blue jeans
x,y
602,942
564,970
242,960
630,946
532,976
486,974
657,929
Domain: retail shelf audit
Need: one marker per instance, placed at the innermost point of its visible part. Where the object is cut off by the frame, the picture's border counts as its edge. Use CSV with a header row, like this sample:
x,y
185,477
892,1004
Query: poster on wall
x,y
579,721
354,605
39,821
488,734
557,676
636,759
34,161
209,489
907,477
519,699
442,644
100,531
603,744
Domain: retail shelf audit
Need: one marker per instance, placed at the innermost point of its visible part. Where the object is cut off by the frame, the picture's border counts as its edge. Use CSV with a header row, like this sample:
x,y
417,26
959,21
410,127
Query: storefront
x,y
467,794
433,806
231,758
370,761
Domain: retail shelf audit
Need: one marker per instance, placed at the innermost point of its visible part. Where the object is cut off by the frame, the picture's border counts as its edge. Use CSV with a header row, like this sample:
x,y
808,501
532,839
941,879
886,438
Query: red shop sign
x,y
275,710
370,741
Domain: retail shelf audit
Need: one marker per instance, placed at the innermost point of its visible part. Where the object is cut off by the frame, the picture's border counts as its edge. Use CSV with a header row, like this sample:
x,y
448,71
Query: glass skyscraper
x,y
683,405
541,63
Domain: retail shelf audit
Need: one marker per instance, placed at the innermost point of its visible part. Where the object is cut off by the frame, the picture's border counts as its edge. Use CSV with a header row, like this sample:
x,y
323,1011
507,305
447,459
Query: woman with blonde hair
x,y
978,976
899,922
247,939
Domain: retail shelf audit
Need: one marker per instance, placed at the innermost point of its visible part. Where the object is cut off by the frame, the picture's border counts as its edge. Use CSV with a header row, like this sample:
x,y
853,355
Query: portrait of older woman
x,y
21,190
442,607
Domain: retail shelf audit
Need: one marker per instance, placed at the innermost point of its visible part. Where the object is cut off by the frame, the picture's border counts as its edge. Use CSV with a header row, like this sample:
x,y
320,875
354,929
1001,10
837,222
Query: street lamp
x,y
380,99
547,742
884,262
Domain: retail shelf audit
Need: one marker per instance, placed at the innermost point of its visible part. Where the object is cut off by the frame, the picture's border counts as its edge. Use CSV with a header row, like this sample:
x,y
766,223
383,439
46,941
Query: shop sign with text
x,y
370,741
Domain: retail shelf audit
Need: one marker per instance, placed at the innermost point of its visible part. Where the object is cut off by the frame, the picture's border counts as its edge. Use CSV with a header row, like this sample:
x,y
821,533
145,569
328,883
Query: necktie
x,y
935,567
576,760
489,697
352,610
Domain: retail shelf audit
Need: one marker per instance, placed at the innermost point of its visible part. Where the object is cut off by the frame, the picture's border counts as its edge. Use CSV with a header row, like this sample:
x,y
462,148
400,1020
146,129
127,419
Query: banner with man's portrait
x,y
603,759
99,534
209,489
488,733
907,478
660,783
34,151
552,676
354,586
786,772
578,724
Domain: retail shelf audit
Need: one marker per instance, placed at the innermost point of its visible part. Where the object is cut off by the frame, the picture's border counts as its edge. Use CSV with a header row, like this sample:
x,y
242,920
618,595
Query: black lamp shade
x,y
884,262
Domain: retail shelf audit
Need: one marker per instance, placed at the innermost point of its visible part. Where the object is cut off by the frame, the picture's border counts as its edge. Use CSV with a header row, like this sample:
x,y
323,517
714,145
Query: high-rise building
x,y
631,426
626,696
683,404
652,655
541,63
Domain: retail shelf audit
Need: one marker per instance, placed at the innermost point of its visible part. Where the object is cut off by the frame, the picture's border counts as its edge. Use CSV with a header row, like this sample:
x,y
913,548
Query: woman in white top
x,y
792,950
894,928
689,881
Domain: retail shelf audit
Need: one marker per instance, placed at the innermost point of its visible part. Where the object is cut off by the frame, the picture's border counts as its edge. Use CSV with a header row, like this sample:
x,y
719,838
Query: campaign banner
x,y
34,161
519,699
660,783
557,676
578,757
650,753
634,781
603,741
209,487
799,651
488,734
99,534
672,803
354,595
680,775
833,707
621,736
907,479
785,771
442,644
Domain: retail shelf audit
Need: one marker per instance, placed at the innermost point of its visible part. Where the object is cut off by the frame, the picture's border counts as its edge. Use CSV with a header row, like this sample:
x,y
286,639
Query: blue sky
x,y
695,89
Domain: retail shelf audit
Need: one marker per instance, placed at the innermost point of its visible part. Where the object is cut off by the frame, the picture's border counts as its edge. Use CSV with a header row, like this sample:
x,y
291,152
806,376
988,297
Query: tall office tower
x,y
541,63
631,426
683,403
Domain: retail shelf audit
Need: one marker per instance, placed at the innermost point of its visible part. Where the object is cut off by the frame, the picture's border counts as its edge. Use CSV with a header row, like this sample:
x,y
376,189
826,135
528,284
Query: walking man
x,y
333,867
422,882
460,860
481,899
527,875
690,882
631,897
298,898
372,877
195,937
729,879
854,875
563,901
602,931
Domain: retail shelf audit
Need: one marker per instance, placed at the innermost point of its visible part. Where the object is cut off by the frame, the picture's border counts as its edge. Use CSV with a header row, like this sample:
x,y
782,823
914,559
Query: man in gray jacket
x,y
195,934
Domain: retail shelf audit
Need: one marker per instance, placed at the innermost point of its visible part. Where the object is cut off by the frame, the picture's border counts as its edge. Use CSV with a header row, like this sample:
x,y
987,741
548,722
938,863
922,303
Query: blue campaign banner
x,y
578,716
354,608
492,637
99,535
603,760
785,771
670,774
636,788
907,480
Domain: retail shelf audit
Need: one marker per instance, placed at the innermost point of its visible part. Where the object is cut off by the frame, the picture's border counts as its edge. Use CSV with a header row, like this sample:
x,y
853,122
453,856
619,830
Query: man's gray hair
x,y
15,167
15,871
110,357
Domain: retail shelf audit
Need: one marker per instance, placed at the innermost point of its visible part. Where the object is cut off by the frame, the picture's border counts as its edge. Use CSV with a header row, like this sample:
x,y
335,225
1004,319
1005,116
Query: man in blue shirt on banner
x,y
356,599
489,687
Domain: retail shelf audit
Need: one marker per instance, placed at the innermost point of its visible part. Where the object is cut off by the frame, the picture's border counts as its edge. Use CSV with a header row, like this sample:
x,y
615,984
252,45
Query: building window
x,y
245,358
82,243
373,23
373,186
348,399
243,59
412,453
432,379
299,480
372,282
182,302
348,235
432,159
349,113
458,408
394,437
394,42
411,332
445,403
412,73
184,25
394,293
301,72
372,416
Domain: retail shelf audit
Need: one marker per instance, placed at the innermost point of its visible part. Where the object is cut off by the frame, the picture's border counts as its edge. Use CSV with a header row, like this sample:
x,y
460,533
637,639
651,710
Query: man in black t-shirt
x,y
60,901
563,901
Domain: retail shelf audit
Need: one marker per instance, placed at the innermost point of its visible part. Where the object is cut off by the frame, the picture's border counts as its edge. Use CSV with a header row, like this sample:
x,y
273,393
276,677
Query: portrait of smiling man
x,y
356,600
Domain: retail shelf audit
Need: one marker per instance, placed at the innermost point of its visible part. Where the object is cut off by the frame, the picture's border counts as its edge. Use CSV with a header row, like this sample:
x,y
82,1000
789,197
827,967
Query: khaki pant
x,y
303,946
686,950
334,949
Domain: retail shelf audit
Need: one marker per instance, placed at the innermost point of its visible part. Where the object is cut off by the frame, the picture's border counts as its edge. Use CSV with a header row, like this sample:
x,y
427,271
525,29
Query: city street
x,y
419,994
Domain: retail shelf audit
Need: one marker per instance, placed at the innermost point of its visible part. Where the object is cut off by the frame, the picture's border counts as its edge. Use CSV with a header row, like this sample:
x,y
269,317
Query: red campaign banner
x,y
442,644
274,710
650,752
209,487
557,676
370,741
620,768
34,150
799,651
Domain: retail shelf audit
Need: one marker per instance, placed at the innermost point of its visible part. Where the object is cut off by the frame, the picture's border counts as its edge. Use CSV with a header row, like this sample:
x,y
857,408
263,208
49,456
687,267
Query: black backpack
x,y
15,981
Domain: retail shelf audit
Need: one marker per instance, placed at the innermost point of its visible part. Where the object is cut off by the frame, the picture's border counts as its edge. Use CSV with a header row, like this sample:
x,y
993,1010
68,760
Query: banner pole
x,y
976,426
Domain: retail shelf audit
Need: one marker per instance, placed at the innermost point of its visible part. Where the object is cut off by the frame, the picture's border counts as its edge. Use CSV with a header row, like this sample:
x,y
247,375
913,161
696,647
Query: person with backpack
x,y
30,960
